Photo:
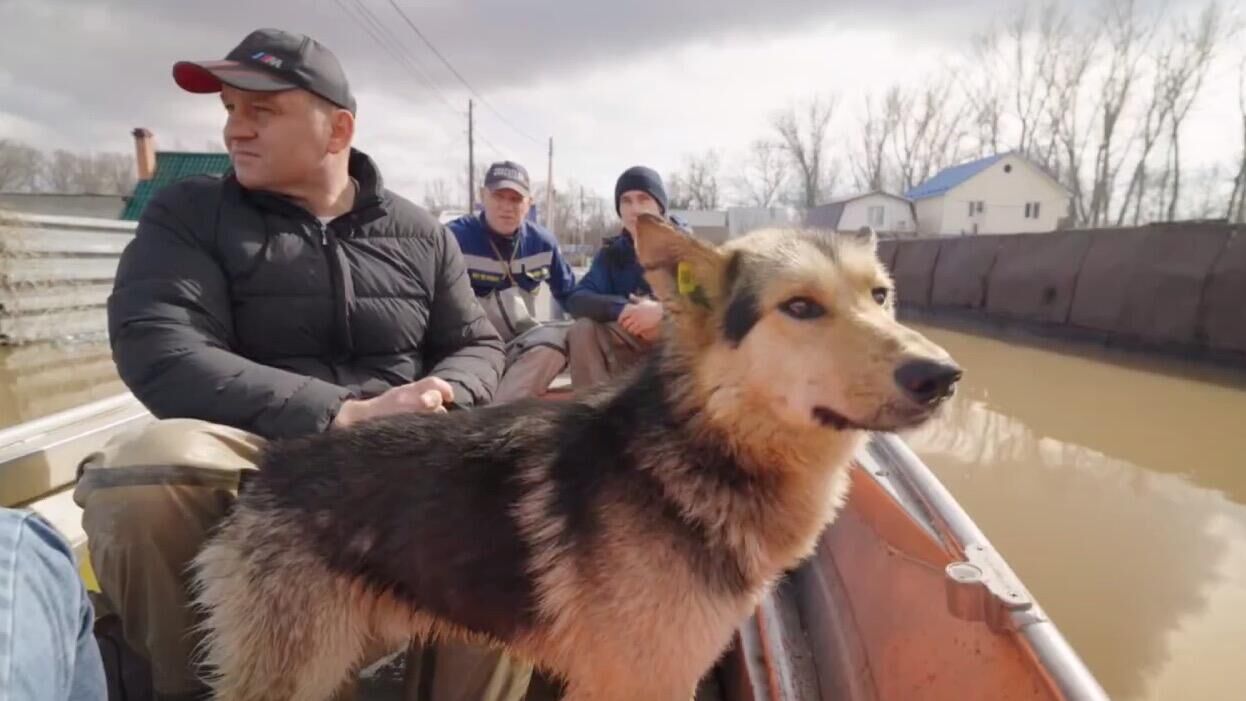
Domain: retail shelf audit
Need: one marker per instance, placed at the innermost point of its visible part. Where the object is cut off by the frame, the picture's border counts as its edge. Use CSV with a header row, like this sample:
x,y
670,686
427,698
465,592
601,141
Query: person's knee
x,y
154,528
582,331
39,545
184,442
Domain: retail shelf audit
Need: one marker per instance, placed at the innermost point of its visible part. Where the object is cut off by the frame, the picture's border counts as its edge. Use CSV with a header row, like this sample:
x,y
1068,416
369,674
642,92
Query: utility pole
x,y
549,187
471,161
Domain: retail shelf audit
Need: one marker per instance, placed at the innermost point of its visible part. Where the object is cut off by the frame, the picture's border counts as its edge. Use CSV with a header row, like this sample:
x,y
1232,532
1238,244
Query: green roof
x,y
172,166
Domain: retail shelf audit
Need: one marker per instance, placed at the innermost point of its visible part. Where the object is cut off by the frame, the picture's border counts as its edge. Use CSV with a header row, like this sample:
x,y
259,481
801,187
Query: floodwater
x,y
1117,491
45,378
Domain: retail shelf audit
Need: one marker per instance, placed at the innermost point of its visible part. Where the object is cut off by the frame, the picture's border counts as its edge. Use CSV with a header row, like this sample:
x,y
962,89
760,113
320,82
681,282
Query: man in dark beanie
x,y
617,316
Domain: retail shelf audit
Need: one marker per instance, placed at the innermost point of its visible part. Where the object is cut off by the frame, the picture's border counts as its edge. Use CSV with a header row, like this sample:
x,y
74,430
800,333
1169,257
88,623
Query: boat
x,y
904,599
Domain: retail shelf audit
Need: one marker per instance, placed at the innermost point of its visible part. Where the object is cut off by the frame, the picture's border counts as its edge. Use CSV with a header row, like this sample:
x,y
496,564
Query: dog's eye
x,y
880,294
802,308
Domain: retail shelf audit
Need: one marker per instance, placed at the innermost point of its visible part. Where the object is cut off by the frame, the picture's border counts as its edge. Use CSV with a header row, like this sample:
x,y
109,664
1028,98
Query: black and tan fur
x,y
617,540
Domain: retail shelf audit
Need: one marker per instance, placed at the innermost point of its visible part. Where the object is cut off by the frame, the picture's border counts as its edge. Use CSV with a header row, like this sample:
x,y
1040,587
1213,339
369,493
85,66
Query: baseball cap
x,y
271,60
507,175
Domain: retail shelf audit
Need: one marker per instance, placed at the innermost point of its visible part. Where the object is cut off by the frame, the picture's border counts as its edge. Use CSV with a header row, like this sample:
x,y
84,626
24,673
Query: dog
x,y
617,539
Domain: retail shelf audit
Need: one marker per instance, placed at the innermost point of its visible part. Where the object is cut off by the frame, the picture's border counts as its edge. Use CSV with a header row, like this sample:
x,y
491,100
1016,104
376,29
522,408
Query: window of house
x,y
1027,210
1031,210
971,204
876,217
1036,210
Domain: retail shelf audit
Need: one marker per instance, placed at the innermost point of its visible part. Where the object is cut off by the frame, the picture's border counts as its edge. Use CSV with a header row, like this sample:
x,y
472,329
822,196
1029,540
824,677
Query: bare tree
x,y
1070,130
1207,192
702,180
1237,201
985,92
870,163
1182,79
678,195
1147,132
20,166
437,197
1034,40
73,173
764,173
805,141
928,129
112,173
1127,40
60,172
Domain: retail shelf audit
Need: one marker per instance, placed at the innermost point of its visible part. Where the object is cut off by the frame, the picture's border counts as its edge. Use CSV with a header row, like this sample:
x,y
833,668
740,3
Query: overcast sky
x,y
615,83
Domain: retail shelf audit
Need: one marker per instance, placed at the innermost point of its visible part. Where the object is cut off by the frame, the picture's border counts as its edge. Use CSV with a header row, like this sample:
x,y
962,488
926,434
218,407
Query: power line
x,y
463,80
390,45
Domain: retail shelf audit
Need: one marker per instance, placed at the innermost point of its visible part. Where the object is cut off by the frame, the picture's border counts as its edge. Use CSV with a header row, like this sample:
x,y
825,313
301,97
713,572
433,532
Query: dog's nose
x,y
927,381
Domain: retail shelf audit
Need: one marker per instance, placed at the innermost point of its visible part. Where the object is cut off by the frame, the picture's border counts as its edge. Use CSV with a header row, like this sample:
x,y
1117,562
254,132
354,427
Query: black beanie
x,y
643,179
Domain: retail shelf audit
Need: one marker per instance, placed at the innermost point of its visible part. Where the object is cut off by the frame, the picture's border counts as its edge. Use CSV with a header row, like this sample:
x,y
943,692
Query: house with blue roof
x,y
1001,194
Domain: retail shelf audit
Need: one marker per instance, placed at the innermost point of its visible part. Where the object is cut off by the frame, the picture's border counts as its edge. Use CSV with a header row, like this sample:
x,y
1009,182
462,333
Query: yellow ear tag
x,y
688,287
687,283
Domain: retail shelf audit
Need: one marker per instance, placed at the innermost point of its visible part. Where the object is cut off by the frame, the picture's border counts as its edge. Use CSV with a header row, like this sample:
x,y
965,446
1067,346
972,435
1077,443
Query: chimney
x,y
144,153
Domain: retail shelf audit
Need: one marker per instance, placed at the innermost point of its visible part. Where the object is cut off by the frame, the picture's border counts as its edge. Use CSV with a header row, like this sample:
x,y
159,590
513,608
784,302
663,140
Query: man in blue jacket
x,y
508,258
618,319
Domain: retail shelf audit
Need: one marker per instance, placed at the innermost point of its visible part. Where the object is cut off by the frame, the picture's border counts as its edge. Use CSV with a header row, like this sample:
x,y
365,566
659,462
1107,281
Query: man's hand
x,y
427,396
643,319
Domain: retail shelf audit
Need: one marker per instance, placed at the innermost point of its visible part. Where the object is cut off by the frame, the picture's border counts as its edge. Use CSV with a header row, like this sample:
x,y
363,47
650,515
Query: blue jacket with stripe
x,y
533,254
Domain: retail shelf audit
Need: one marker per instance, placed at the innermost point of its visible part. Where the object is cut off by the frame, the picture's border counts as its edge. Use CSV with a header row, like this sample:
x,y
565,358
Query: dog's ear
x,y
681,270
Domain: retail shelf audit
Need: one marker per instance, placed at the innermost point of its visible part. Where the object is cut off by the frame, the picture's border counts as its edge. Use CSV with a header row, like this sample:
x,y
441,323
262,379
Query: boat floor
x,y
384,682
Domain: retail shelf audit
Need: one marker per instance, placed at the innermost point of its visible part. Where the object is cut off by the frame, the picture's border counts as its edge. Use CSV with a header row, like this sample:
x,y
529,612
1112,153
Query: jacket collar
x,y
360,166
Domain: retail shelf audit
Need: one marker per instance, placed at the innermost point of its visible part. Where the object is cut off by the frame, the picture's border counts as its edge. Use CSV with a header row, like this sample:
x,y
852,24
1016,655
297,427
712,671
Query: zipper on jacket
x,y
337,289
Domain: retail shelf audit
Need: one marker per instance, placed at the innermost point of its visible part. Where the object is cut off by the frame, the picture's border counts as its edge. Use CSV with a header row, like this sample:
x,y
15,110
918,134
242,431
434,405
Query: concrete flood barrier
x,y
1176,288
1035,275
1224,298
962,271
914,271
55,275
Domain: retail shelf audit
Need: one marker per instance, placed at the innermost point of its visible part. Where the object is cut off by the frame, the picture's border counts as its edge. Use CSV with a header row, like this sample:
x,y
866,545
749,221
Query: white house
x,y
881,210
1000,194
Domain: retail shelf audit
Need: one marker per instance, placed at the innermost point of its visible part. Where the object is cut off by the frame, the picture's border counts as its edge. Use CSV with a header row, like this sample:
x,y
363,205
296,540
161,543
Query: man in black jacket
x,y
294,295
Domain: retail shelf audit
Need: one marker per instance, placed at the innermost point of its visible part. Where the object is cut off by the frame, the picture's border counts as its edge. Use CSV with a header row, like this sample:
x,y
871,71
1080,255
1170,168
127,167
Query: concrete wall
x,y
55,274
1004,194
99,206
897,214
1175,287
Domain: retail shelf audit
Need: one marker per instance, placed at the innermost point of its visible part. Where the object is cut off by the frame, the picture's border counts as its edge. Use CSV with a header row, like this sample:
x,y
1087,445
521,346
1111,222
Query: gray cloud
x,y
82,73
85,70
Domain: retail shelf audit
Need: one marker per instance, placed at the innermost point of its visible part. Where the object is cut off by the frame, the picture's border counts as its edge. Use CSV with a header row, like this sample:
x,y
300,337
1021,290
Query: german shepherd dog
x,y
617,540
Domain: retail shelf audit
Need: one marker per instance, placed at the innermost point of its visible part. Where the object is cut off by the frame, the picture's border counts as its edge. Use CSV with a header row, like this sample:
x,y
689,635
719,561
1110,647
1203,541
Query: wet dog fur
x,y
616,540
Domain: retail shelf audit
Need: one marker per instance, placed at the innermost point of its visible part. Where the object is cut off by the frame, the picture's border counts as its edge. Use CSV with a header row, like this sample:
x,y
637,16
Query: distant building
x,y
881,210
159,168
1001,194
709,225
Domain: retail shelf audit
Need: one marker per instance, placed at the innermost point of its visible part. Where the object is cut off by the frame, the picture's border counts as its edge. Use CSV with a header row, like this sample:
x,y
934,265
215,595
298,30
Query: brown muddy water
x,y
1117,491
45,378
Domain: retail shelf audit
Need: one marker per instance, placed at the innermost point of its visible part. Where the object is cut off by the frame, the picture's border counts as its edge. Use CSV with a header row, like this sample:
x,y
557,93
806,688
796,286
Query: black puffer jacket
x,y
241,308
